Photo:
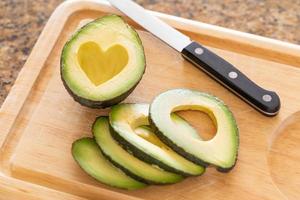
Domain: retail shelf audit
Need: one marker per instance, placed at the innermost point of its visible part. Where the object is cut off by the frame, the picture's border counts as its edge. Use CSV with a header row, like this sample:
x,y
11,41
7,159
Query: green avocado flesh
x,y
126,121
89,157
131,165
221,151
102,62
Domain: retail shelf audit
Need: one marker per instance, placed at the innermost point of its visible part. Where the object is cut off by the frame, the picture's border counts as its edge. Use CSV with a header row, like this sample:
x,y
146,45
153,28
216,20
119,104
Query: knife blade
x,y
265,101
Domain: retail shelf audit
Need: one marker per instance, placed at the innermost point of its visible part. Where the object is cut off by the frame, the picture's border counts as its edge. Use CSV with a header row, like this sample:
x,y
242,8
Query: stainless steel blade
x,y
160,29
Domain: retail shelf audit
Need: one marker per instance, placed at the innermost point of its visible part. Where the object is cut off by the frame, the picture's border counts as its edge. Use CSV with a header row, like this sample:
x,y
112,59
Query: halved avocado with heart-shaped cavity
x,y
102,62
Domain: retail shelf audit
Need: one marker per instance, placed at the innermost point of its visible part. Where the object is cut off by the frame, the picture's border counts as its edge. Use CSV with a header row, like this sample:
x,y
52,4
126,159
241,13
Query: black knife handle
x,y
263,100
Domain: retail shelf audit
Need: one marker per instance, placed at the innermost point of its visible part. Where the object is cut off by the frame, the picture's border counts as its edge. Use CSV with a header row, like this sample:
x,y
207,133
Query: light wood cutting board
x,y
39,120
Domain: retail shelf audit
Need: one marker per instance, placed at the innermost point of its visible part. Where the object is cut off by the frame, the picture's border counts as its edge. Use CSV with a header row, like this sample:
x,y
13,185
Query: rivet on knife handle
x,y
263,100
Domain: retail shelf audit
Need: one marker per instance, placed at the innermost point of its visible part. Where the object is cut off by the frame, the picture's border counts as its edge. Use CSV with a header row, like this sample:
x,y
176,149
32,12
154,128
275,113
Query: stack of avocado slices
x,y
141,144
138,144
143,160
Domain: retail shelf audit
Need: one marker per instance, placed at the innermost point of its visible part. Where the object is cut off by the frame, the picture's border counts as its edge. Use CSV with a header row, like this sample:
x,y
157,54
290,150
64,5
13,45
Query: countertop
x,y
21,22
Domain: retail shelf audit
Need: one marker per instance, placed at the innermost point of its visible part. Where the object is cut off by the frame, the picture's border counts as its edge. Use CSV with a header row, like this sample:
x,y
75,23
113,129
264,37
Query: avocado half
x,y
126,121
89,157
221,151
129,164
102,62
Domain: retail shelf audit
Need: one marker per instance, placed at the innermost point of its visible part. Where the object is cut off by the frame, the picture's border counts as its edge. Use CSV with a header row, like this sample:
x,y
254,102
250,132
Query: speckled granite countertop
x,y
21,22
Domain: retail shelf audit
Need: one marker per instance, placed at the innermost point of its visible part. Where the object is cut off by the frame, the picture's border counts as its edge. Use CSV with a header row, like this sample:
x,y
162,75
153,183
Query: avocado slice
x,y
89,157
125,118
221,151
131,165
102,62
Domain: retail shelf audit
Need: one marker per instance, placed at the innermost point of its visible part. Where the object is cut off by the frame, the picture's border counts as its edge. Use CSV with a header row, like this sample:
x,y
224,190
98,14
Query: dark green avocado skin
x,y
126,171
88,138
129,173
98,104
143,156
181,151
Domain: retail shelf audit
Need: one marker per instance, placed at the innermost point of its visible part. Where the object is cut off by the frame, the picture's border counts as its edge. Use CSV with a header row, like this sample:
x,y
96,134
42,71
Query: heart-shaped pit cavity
x,y
101,66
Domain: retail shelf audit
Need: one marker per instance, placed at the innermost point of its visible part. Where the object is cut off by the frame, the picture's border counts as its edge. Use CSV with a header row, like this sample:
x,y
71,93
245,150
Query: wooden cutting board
x,y
39,120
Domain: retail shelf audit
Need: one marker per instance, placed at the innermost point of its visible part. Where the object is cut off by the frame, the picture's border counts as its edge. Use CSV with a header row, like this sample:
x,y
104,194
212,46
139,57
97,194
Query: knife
x,y
267,102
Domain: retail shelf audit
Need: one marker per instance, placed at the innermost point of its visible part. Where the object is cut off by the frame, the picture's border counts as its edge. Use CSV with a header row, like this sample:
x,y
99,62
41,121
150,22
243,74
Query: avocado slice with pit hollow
x,y
89,157
125,118
131,165
221,151
102,62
